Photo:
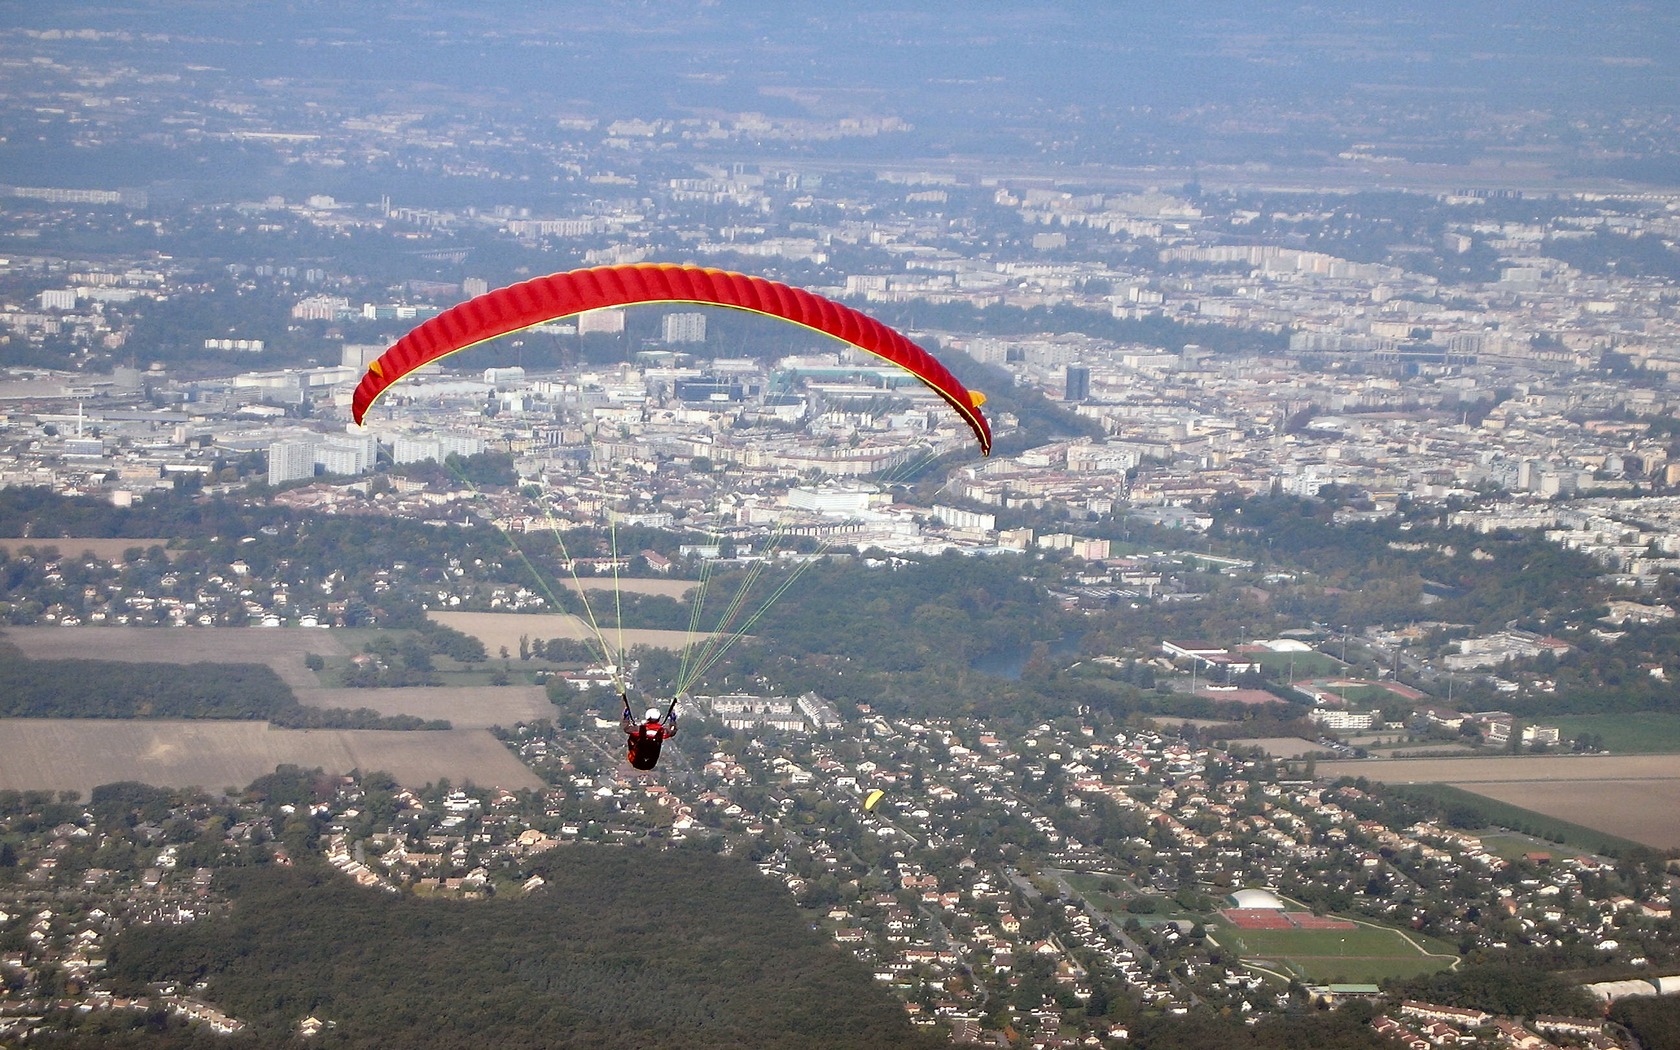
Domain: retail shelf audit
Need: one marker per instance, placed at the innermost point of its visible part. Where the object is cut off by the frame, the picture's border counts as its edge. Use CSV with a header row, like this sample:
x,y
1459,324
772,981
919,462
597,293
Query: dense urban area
x,y
1301,667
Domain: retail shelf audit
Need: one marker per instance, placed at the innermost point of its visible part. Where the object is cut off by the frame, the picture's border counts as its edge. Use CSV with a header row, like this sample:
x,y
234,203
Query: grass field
x,y
1365,954
1364,694
1633,733
1306,665
1092,887
1512,845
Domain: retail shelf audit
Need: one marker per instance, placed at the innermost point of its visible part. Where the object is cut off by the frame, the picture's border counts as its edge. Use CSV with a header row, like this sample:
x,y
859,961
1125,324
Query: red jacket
x,y
645,740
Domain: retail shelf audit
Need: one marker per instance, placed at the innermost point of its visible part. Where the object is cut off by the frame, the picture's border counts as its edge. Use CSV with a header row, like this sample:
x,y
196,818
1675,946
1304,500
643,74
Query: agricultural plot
x,y
470,707
1282,746
102,549
76,754
1425,749
282,648
1647,812
1361,954
593,585
1634,797
500,631
1497,769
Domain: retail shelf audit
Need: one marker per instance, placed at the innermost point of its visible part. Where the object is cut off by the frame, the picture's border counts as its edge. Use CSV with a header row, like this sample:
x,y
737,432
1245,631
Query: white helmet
x,y
652,714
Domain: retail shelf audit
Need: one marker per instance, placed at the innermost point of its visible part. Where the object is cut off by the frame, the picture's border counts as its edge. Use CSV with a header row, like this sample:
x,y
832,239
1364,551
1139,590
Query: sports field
x,y
1302,665
1362,954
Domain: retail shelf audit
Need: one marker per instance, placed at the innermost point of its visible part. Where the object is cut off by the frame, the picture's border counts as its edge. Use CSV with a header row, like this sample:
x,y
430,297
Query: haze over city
x,y
1255,624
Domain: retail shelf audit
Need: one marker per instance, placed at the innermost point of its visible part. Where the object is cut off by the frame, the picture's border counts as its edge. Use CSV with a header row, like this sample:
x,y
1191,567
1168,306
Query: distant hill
x,y
623,947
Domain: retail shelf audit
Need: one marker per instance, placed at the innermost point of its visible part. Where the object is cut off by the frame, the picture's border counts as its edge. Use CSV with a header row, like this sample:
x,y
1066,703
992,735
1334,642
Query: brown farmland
x,y
75,754
594,585
1496,769
1282,746
1647,812
1634,796
103,549
282,648
500,631
466,707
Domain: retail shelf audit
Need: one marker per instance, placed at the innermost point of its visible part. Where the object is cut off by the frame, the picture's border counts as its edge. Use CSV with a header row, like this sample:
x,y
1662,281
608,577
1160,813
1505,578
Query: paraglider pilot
x,y
647,735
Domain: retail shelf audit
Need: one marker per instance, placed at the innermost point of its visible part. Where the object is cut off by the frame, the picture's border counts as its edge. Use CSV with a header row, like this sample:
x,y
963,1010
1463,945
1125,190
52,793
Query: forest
x,y
618,947
1515,988
1654,1022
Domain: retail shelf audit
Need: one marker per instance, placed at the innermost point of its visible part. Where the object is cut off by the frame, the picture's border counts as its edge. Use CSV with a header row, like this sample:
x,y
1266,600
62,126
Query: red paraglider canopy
x,y
541,299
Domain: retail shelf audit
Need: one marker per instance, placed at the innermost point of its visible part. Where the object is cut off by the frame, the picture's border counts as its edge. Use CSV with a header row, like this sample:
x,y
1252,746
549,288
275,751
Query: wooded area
x,y
621,947
1655,1022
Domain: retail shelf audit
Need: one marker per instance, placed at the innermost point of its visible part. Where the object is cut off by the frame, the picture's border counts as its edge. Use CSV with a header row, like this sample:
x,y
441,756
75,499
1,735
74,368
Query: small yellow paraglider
x,y
872,798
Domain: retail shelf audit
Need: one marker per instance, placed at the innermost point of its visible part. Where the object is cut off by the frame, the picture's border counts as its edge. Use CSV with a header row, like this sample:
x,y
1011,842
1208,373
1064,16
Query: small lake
x,y
1009,662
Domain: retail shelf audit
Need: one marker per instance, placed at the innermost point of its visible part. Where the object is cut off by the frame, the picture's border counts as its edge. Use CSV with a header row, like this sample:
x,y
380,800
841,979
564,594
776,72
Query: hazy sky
x,y
1593,84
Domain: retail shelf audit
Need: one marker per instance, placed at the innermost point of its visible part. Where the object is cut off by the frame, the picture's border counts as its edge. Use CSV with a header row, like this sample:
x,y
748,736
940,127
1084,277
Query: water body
x,y
1011,661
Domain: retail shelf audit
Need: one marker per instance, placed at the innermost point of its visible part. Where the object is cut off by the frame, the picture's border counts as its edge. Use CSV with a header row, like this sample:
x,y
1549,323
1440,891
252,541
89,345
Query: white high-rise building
x,y
684,328
359,355
290,461
437,448
348,454
606,321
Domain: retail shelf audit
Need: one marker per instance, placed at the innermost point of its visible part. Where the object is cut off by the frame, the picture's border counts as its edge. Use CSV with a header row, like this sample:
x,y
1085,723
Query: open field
x,y
282,648
1633,797
1512,845
1631,733
1304,665
1424,749
468,707
74,754
597,584
1282,746
103,549
1365,953
1168,722
1497,769
499,630
1651,815
1469,806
